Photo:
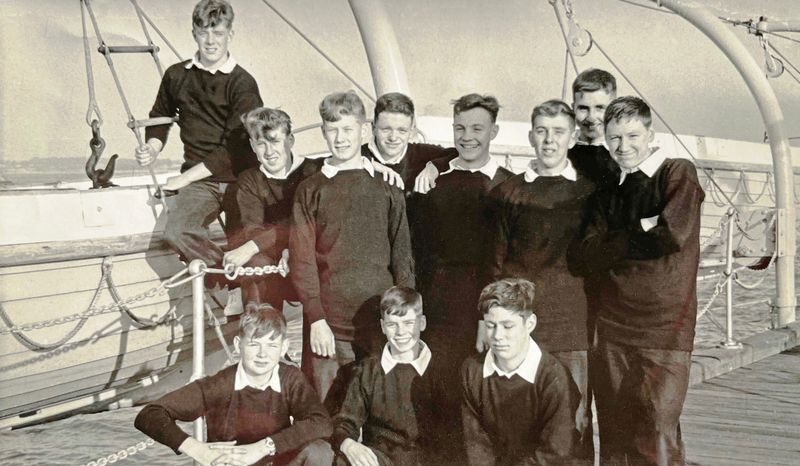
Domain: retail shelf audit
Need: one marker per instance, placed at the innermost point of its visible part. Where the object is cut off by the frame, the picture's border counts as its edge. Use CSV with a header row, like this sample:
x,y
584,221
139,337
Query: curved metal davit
x,y
783,307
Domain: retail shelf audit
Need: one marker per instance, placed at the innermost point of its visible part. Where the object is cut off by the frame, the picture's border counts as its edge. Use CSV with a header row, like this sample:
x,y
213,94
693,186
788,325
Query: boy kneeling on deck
x,y
247,406
519,401
396,397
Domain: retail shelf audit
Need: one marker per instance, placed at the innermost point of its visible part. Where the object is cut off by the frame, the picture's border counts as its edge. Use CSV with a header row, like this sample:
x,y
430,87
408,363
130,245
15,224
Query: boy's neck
x,y
349,164
474,164
545,171
407,356
216,65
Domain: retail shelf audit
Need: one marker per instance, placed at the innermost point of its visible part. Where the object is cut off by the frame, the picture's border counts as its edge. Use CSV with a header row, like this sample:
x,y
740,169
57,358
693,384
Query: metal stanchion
x,y
198,335
730,342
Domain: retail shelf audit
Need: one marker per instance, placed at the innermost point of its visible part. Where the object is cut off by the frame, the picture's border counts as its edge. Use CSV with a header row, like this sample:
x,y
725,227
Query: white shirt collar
x,y
331,170
296,162
648,166
568,172
242,380
420,364
527,370
373,147
226,68
489,168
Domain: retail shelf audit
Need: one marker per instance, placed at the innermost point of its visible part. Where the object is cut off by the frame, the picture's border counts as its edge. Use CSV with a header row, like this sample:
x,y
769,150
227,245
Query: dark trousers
x,y
197,206
271,289
316,453
639,394
577,364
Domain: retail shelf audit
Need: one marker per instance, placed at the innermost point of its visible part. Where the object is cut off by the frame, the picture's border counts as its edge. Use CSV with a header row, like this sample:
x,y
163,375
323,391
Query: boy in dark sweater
x,y
453,227
592,90
393,126
538,214
349,242
395,397
519,401
265,197
247,406
210,92
642,246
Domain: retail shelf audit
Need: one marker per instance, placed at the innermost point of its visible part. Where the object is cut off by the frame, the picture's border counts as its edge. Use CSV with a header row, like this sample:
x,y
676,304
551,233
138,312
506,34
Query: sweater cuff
x,y
340,435
159,132
313,310
219,164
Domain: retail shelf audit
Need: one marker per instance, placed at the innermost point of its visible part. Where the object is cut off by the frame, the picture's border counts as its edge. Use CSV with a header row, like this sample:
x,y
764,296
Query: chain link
x,y
122,454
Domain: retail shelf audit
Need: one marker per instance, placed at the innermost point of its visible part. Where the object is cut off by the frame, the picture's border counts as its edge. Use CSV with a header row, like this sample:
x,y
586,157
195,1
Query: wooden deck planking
x,y
749,416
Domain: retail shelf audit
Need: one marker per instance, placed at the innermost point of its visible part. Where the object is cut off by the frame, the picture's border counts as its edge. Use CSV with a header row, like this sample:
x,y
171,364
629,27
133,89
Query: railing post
x,y
198,334
729,342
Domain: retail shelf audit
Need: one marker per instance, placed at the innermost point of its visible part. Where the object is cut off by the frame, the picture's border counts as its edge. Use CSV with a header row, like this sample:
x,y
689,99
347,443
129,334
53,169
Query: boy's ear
x,y
252,144
573,139
495,130
530,323
530,137
290,140
236,341
285,346
651,134
423,322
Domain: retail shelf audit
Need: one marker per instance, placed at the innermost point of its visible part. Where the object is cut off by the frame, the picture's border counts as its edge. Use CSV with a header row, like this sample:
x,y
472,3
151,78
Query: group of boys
x,y
604,225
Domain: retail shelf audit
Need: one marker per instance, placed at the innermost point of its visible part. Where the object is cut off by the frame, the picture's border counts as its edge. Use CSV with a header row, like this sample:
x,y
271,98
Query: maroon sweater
x,y
246,415
595,163
535,224
647,281
349,243
209,108
417,156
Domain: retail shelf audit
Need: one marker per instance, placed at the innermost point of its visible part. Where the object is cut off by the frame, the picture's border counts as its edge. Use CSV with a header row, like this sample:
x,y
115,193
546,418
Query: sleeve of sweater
x,y
164,106
559,436
476,440
303,255
597,249
400,240
677,221
498,204
251,205
311,420
158,419
354,410
243,96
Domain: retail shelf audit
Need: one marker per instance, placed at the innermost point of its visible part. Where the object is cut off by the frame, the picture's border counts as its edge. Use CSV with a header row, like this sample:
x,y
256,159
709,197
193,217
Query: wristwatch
x,y
270,444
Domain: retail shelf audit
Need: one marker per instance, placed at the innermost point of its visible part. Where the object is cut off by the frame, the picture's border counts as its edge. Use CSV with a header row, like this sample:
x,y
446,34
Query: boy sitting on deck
x,y
247,406
395,397
519,401
642,248
265,198
209,93
349,242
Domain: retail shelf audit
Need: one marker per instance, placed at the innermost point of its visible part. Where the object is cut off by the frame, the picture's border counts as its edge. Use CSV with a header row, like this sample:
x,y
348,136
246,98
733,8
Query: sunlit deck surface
x,y
746,417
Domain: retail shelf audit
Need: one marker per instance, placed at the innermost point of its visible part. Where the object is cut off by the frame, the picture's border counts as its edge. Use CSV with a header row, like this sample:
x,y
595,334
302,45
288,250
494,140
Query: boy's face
x,y
473,131
260,355
552,137
589,109
508,334
402,332
274,150
344,137
212,43
629,141
392,131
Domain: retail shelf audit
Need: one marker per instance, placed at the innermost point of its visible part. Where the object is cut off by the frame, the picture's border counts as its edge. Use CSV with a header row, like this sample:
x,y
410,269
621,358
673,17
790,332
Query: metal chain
x,y
717,233
122,454
159,290
717,290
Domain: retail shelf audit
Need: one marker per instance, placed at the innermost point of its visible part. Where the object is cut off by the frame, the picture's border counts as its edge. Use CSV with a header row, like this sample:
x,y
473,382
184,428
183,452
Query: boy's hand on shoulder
x,y
358,454
481,341
322,340
426,180
390,176
147,154
241,255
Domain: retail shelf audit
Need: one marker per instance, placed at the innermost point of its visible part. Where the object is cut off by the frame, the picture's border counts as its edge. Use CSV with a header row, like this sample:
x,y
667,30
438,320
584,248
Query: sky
x,y
509,48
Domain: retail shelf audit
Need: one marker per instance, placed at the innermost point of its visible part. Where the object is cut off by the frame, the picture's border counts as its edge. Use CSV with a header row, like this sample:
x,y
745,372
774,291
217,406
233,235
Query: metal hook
x,y
101,178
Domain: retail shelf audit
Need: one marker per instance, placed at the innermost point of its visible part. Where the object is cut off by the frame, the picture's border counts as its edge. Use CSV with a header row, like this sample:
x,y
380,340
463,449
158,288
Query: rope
x,y
160,34
782,36
214,322
747,195
564,35
141,322
565,83
319,50
657,114
154,52
122,454
87,56
715,234
783,57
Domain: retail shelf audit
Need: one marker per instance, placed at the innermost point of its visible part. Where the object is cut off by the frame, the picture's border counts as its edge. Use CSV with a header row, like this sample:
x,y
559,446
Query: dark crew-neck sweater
x,y
209,108
512,421
246,415
266,206
349,243
647,281
595,163
401,413
414,161
535,224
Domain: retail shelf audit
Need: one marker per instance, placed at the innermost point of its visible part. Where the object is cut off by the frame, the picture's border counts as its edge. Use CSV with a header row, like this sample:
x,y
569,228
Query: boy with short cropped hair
x,y
538,214
592,91
209,92
349,242
519,401
260,411
265,198
642,247
394,398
